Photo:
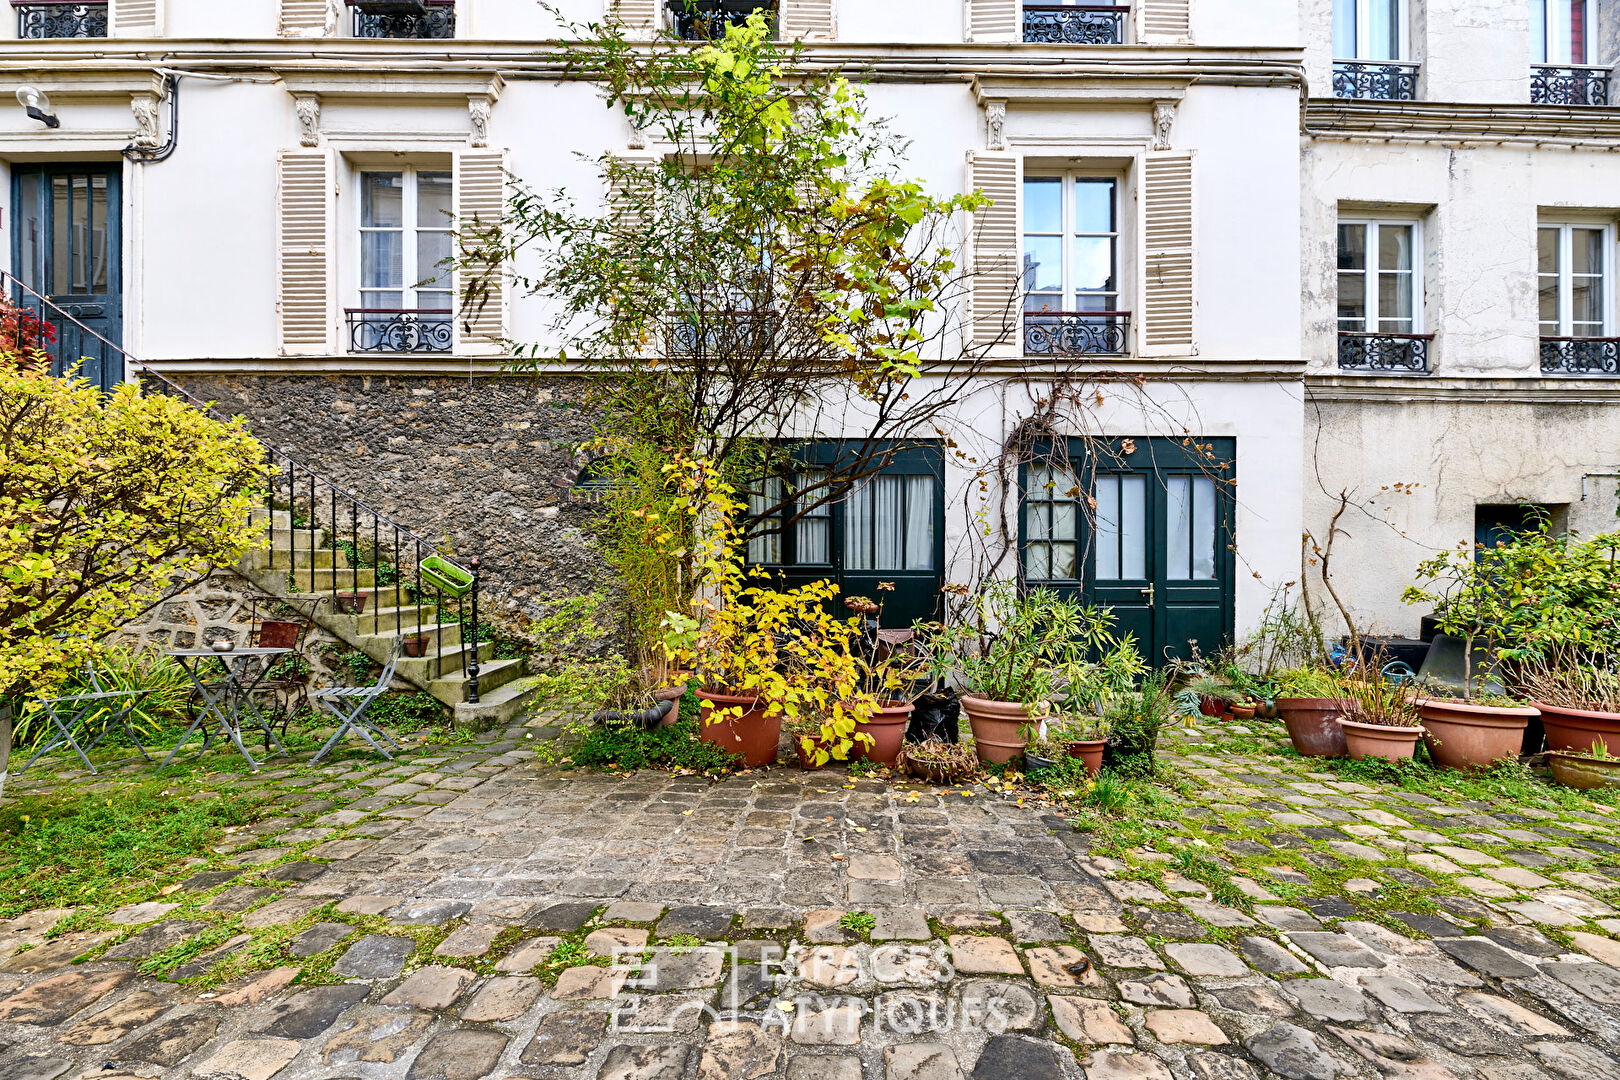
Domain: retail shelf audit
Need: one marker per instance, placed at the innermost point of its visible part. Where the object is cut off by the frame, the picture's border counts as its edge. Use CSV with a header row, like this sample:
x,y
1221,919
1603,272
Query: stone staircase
x,y
304,564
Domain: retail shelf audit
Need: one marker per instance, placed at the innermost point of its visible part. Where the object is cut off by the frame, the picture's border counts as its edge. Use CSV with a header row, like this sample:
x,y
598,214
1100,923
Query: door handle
x,y
1148,592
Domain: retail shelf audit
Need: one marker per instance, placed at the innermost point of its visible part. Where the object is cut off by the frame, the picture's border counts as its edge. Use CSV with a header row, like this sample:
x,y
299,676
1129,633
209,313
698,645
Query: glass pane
x,y
1094,262
1586,303
1043,205
380,261
1037,521
1395,247
1065,519
1107,528
1344,29
1586,251
1095,302
1538,31
433,299
919,523
1133,535
1043,263
1577,31
387,301
1178,527
1063,562
382,200
433,200
32,217
1352,247
765,547
1050,301
1203,542
1352,302
1094,206
814,538
1549,305
1384,33
888,498
1038,562
433,248
61,237
858,529
98,234
1395,303
1547,251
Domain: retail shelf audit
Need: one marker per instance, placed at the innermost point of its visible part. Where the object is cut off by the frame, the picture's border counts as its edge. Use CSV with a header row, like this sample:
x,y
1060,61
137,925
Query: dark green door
x,y
1142,526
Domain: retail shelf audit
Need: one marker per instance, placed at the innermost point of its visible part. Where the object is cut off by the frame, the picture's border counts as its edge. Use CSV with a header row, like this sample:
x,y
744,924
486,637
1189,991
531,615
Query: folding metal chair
x,y
351,703
83,708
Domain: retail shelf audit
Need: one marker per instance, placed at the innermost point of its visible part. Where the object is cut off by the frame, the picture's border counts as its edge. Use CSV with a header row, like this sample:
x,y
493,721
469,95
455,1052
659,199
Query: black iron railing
x,y
60,19
324,518
404,18
1076,24
1569,85
1399,353
1077,333
1580,356
706,20
1382,80
722,333
399,330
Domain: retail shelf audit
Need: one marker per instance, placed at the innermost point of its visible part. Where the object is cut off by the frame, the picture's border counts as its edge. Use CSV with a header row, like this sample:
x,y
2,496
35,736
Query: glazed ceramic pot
x,y
1579,729
1583,772
997,727
754,735
1364,741
1313,725
1464,736
888,731
1091,752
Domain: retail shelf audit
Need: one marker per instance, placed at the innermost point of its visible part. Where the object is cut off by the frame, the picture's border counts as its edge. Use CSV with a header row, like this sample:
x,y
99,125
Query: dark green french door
x,y
882,536
1142,526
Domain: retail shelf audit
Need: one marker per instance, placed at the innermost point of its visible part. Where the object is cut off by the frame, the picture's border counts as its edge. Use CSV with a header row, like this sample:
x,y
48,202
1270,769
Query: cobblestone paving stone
x,y
405,920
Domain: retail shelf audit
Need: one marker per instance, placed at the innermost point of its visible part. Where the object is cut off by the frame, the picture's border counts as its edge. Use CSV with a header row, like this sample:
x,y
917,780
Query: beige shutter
x,y
480,185
995,20
304,18
808,19
137,18
1167,232
305,265
1167,20
996,315
620,205
638,17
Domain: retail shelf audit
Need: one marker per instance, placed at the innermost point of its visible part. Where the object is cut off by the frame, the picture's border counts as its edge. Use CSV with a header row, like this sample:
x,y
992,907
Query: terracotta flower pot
x,y
1313,725
754,735
1243,712
351,603
1091,752
1378,741
1584,773
888,731
1211,706
997,727
1464,736
415,646
1579,729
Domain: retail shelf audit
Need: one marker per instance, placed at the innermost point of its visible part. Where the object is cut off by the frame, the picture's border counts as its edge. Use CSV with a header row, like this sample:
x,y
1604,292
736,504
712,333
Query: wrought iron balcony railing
x,y
1078,24
722,333
1077,333
1580,356
1398,353
435,19
1382,80
706,20
1569,85
60,19
399,330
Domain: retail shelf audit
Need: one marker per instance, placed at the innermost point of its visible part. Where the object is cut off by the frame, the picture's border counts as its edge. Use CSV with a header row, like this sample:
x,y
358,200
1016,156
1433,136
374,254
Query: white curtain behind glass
x,y
813,530
765,547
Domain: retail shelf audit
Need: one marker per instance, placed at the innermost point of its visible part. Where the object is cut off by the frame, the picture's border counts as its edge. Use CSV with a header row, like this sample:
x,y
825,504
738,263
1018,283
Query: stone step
x,y
497,707
326,579
440,635
443,664
452,689
390,596
282,557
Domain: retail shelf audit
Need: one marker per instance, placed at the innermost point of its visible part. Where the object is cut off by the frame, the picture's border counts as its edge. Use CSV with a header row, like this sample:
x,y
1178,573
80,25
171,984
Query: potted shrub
x,y
1081,735
1474,732
1381,720
1213,694
1134,719
1586,770
1579,703
888,674
1309,704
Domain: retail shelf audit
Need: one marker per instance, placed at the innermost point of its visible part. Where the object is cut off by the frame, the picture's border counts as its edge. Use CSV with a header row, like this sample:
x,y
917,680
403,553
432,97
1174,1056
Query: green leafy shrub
x,y
624,748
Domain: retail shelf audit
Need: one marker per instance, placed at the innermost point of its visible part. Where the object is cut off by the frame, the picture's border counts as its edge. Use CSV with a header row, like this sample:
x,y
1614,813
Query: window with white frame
x,y
1561,30
1379,283
405,291
1572,270
1369,29
1071,243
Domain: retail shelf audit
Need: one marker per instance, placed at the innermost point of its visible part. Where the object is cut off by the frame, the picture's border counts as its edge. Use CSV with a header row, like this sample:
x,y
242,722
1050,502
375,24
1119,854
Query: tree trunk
x,y
5,745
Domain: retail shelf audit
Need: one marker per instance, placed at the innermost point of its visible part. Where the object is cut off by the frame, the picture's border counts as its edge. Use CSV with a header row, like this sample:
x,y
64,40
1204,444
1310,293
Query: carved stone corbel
x,y
995,123
1164,119
145,108
479,107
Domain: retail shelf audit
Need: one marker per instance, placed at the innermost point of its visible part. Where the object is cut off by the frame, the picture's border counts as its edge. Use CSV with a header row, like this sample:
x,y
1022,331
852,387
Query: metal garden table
x,y
225,705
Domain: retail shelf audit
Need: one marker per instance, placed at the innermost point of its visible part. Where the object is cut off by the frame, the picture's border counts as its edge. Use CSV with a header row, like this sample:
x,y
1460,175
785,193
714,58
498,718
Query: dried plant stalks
x,y
1380,701
938,762
1561,679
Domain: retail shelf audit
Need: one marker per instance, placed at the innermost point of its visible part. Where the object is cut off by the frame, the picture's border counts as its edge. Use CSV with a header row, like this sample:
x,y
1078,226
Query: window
x,y
707,20
1052,524
404,18
56,19
1379,296
1075,22
1572,269
1071,244
405,236
1369,29
889,524
1559,30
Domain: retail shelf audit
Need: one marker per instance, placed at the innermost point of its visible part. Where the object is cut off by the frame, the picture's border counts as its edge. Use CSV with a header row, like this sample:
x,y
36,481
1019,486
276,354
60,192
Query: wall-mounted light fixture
x,y
37,105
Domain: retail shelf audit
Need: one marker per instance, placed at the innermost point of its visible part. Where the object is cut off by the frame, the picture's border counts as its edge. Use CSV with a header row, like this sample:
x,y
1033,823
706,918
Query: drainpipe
x,y
1599,473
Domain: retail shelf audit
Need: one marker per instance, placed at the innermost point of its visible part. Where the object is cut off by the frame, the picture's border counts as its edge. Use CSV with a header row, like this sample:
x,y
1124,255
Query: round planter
x,y
1211,706
1243,712
1034,763
888,731
1579,729
1464,736
754,735
1583,772
1377,741
1313,725
1266,710
1091,752
997,727
672,694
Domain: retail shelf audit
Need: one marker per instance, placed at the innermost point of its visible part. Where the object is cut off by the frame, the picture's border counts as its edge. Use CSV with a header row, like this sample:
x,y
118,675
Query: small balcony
x,y
1077,333
1077,24
706,20
1580,356
1569,85
60,19
1380,80
1396,354
722,333
399,330
431,19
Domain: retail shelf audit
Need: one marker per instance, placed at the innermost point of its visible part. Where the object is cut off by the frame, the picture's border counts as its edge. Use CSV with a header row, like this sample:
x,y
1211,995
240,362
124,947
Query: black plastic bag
x,y
935,717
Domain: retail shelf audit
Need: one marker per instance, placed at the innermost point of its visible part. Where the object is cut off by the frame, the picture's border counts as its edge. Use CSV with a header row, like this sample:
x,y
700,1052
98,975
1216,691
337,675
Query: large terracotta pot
x,y
1579,729
997,727
1584,773
753,734
1378,741
1089,751
888,731
1313,725
1464,736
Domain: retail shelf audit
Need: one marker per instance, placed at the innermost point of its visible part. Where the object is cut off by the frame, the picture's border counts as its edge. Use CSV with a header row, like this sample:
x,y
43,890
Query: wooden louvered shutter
x,y
1167,232
137,18
304,18
807,19
630,211
995,20
480,184
638,17
1167,20
305,264
996,314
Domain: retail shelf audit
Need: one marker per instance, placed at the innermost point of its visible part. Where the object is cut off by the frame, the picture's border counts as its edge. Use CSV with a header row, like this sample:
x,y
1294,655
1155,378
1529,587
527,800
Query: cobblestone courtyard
x,y
470,913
